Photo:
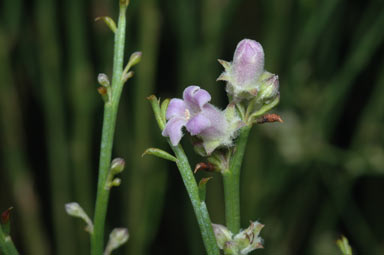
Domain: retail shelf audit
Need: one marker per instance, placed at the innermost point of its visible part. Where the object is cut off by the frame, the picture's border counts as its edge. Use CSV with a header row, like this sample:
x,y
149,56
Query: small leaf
x,y
203,187
109,22
5,220
159,153
156,110
163,108
344,246
225,64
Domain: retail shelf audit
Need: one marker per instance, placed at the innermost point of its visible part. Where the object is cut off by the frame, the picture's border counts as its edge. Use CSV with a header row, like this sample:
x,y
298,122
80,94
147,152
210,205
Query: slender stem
x,y
6,244
189,180
199,206
231,179
109,121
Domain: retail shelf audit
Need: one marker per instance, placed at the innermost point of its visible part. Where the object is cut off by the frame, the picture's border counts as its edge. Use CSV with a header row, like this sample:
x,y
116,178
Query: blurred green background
x,y
309,180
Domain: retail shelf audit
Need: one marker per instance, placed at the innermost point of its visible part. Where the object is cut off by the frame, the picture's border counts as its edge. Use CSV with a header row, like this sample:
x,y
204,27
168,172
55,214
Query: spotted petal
x,y
173,130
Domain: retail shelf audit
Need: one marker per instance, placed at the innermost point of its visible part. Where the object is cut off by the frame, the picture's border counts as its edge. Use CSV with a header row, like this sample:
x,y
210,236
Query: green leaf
x,y
344,246
160,154
203,187
5,221
109,22
164,107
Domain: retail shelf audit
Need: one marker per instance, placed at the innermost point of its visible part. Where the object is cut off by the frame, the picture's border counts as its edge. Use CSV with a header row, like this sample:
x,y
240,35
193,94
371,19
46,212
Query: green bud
x,y
269,87
135,58
248,239
223,235
117,238
117,166
75,210
103,80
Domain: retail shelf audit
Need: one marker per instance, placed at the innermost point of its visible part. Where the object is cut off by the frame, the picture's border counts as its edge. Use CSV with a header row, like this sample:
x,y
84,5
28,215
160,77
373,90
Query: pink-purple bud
x,y
248,62
243,74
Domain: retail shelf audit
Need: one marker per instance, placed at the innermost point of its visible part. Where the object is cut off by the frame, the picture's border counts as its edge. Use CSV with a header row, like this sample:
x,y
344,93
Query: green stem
x,y
231,179
199,206
109,121
189,180
6,244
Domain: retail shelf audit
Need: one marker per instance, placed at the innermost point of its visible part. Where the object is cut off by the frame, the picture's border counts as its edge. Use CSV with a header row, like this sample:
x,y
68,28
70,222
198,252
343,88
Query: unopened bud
x,y
249,239
117,166
135,58
103,80
116,182
269,88
75,210
222,234
117,238
248,62
242,75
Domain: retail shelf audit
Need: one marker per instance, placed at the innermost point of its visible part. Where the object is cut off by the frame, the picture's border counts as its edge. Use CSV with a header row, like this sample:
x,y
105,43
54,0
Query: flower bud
x,y
117,238
248,239
75,210
269,87
242,75
103,80
135,58
222,234
248,62
117,166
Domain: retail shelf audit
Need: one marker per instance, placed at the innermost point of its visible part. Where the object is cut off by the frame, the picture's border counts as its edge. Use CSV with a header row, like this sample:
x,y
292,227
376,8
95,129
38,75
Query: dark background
x,y
309,180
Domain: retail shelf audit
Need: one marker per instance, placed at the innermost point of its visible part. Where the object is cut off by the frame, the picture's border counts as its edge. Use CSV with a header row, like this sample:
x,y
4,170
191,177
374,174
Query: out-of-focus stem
x,y
14,156
82,100
145,207
54,117
231,179
109,121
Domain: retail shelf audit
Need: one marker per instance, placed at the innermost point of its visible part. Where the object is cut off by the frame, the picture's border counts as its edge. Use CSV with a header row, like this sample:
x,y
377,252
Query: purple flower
x,y
199,117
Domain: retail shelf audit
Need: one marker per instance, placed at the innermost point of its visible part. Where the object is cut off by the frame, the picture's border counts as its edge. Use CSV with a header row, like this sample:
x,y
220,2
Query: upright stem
x,y
6,244
109,121
199,206
189,180
231,179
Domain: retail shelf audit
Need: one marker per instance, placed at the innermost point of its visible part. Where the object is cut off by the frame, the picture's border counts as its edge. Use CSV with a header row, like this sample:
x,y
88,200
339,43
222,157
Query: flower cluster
x,y
248,85
246,77
242,243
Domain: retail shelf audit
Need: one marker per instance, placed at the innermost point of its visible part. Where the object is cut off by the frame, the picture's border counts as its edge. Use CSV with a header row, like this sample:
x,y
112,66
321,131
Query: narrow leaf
x,y
159,153
156,110
109,22
5,222
203,187
164,107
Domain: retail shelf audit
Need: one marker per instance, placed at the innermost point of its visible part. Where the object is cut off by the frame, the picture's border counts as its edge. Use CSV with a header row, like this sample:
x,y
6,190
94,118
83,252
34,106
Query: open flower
x,y
200,118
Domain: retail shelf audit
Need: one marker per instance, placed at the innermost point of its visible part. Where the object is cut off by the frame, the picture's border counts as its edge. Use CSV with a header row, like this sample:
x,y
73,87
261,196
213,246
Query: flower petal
x,y
196,98
176,108
173,130
198,124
